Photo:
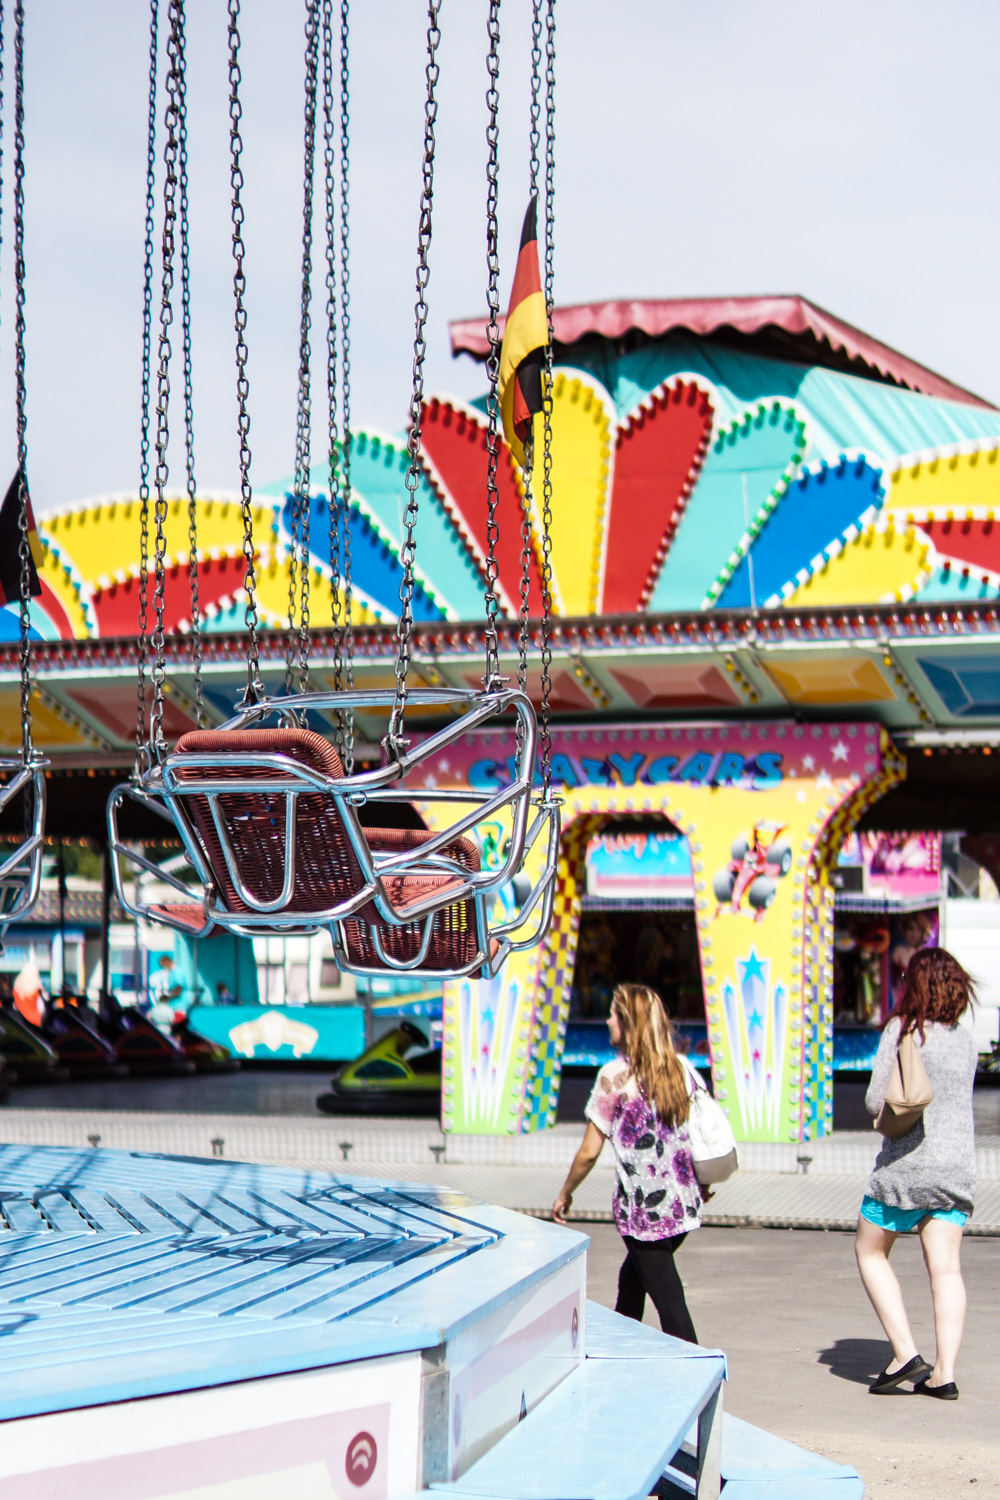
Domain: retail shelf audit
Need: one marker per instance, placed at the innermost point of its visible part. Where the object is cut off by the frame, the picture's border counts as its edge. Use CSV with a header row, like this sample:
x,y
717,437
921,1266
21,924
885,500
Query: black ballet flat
x,y
947,1392
916,1368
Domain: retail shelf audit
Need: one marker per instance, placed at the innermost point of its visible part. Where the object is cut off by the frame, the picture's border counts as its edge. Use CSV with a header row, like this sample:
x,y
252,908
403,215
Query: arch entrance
x,y
765,808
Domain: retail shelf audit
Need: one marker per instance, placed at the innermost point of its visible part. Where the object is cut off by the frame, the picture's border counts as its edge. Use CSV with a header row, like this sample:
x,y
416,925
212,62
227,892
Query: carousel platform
x,y
182,1329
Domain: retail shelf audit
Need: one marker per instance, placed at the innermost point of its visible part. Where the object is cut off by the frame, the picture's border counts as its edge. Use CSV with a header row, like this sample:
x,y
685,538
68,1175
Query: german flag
x,y
525,337
10,544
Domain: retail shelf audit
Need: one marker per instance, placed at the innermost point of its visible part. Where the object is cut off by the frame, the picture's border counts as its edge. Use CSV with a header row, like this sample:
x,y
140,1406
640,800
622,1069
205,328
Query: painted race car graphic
x,y
759,861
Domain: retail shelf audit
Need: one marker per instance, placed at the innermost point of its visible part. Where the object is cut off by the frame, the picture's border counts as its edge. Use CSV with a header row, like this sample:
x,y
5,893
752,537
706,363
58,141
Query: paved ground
x,y
803,1343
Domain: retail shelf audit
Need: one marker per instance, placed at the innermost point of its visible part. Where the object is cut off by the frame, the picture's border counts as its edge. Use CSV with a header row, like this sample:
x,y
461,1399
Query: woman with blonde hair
x,y
641,1102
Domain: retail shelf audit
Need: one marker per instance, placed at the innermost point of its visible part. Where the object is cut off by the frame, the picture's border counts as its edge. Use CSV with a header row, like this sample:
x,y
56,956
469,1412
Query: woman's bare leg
x,y
871,1247
941,1243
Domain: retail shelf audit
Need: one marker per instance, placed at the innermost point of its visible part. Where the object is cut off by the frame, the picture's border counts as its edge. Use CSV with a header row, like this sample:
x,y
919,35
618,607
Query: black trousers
x,y
649,1267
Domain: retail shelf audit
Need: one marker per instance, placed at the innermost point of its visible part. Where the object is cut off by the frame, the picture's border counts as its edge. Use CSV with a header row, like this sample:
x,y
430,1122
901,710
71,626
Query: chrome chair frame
x,y
21,871
163,790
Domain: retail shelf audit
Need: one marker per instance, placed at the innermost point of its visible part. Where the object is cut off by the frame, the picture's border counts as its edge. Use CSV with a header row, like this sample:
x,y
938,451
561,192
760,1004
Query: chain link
x,y
24,549
347,748
394,743
141,754
182,180
545,728
171,148
492,675
255,688
302,496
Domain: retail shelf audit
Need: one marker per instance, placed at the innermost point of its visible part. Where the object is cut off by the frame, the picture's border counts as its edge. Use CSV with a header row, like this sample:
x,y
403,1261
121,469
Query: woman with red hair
x,y
925,1180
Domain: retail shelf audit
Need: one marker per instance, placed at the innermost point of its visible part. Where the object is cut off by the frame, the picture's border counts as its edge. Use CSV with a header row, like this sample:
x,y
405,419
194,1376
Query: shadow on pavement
x,y
857,1360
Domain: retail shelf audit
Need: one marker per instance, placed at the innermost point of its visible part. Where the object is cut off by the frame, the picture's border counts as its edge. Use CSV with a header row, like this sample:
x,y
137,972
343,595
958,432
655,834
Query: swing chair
x,y
21,777
270,812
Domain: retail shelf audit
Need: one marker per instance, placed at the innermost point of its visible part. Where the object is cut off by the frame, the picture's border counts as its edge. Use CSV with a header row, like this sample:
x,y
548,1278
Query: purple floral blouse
x,y
658,1194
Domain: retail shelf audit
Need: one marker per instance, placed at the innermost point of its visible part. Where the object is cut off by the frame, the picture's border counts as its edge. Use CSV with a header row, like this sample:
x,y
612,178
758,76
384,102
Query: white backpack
x,y
713,1145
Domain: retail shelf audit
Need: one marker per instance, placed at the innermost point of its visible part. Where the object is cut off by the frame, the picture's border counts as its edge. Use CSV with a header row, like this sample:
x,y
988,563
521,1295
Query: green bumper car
x,y
400,1074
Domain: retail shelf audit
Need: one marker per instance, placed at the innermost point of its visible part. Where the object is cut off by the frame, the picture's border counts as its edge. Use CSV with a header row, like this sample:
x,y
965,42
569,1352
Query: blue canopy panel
x,y
812,513
844,411
750,463
376,572
968,686
378,470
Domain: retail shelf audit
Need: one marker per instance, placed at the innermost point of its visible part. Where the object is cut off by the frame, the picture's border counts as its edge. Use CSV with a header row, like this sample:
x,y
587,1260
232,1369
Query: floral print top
x,y
658,1194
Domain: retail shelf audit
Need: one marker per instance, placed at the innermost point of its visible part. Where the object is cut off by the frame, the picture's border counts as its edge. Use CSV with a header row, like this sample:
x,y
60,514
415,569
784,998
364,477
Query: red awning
x,y
808,331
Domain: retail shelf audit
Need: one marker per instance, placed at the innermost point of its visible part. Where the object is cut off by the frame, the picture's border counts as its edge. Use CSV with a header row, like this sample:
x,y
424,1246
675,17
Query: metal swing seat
x,y
281,835
21,869
271,827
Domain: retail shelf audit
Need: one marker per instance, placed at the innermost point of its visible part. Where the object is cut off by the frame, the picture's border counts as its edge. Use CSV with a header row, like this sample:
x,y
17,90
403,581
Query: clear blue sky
x,y
847,152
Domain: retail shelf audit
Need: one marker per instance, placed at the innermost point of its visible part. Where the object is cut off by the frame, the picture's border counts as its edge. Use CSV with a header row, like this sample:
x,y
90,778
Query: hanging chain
x,y
347,747
491,680
24,549
171,148
333,442
141,754
255,688
549,217
302,498
534,143
182,179
394,743
338,456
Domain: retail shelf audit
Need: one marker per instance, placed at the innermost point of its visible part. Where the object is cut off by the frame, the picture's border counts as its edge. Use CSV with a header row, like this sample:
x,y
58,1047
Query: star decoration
x,y
752,968
823,779
755,1022
840,751
800,796
808,764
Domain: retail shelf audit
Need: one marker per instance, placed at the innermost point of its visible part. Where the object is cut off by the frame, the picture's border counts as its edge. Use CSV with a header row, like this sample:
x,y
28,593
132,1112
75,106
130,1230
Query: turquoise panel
x,y
845,411
749,459
947,584
378,468
815,510
968,686
322,1033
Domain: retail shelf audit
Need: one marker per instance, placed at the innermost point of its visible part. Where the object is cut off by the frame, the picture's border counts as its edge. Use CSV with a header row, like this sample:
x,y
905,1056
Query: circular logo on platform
x,y
574,1327
362,1456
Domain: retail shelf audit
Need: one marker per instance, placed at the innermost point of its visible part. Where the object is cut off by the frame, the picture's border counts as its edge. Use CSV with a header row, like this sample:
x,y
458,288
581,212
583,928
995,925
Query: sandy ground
x,y
803,1343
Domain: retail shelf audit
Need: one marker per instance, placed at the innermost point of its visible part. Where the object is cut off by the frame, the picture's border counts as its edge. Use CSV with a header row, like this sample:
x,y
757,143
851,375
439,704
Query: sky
x,y
847,152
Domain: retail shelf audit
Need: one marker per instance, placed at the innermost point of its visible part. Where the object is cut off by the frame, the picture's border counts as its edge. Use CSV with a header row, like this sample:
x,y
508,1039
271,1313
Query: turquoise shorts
x,y
902,1220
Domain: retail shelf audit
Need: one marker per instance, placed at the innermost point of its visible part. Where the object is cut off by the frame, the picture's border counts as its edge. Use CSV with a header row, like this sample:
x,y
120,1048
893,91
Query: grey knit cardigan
x,y
933,1166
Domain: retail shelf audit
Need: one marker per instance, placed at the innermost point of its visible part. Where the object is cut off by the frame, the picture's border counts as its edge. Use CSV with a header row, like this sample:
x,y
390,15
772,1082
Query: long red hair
x,y
935,988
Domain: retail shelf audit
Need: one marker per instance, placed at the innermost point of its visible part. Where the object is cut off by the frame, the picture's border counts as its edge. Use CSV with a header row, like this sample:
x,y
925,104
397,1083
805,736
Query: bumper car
x,y
400,1074
79,1046
141,1044
26,1052
207,1056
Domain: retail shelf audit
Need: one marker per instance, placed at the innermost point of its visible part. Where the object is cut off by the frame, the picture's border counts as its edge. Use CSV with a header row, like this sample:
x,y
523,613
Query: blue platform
x,y
284,1329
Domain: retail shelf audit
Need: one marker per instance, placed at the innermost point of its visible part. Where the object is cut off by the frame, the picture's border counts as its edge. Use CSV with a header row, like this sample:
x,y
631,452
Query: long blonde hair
x,y
652,1056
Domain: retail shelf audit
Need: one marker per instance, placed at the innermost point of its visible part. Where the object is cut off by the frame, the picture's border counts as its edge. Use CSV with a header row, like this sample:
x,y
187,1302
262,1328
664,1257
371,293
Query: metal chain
x,y
394,743
549,217
347,749
24,550
141,755
255,688
534,143
182,178
491,679
171,120
302,498
333,443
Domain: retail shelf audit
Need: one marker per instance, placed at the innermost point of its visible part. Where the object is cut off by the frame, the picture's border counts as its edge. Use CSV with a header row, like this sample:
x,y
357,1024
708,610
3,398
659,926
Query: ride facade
x,y
740,587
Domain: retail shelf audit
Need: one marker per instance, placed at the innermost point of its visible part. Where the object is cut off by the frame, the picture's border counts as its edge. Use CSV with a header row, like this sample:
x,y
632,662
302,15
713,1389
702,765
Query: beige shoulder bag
x,y
908,1094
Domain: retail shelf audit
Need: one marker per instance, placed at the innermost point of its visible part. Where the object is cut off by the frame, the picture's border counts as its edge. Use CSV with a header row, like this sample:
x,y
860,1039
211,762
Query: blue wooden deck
x,y
125,1275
